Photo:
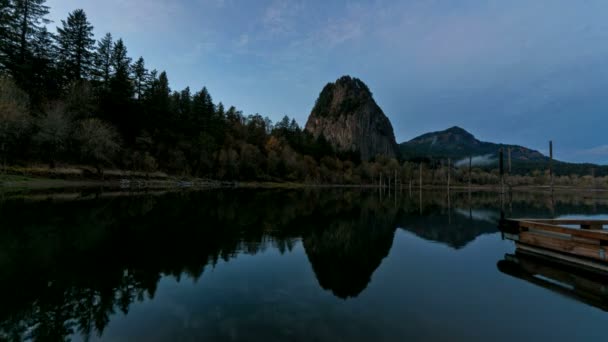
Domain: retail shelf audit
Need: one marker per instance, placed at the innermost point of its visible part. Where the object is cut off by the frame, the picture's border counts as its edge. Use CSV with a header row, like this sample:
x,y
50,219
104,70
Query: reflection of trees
x,y
67,266
74,264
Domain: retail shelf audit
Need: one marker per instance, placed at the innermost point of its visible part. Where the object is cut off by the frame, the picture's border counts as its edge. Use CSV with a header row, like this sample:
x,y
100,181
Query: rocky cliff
x,y
348,117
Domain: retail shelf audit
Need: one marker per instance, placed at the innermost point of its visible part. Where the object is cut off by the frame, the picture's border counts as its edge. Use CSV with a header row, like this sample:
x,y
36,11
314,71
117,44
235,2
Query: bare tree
x,y
98,142
14,117
53,133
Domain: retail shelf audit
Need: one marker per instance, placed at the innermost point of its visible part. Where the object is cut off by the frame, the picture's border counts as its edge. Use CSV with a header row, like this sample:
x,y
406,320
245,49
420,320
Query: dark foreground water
x,y
327,265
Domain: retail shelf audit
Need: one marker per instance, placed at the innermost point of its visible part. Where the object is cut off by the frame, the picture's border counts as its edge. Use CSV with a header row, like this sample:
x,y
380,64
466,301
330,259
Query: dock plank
x,y
590,234
564,245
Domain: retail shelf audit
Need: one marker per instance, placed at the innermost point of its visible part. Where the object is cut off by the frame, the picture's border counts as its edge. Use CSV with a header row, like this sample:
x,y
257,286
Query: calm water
x,y
327,265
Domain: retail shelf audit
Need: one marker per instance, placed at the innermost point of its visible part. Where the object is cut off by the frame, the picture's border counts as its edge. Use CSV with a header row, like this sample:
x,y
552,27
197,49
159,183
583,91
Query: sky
x,y
518,71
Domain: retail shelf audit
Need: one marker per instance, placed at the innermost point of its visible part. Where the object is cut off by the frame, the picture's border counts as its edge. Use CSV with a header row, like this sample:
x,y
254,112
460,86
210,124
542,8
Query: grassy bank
x,y
20,178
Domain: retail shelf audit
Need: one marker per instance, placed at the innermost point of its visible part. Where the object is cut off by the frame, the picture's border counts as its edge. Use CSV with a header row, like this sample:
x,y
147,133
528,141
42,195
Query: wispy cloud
x,y
281,15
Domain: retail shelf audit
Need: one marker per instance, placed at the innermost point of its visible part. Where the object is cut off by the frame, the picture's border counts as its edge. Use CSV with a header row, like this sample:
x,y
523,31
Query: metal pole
x,y
502,170
551,163
470,171
449,163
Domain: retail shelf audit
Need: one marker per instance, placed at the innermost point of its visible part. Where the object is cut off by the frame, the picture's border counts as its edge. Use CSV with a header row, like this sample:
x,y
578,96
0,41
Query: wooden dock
x,y
579,242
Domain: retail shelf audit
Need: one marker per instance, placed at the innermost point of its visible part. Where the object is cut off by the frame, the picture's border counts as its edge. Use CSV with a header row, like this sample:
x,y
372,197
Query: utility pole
x,y
470,171
420,175
551,163
395,181
420,192
509,161
449,172
502,170
502,182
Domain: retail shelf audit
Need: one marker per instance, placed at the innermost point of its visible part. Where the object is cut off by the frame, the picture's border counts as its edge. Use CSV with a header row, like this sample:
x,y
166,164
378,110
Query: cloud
x,y
124,17
280,16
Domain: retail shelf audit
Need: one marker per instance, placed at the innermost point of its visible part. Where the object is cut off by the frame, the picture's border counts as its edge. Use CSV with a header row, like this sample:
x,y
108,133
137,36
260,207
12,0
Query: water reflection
x,y
584,285
69,263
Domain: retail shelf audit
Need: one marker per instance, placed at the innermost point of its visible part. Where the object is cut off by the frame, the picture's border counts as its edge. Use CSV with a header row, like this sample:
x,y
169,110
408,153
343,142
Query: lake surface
x,y
298,265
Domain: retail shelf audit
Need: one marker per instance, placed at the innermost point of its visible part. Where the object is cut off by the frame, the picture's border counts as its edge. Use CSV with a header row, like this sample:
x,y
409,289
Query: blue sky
x,y
516,71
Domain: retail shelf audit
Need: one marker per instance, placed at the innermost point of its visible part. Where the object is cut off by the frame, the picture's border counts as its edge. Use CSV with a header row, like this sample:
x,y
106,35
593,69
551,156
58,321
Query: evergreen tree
x,y
185,104
6,16
103,59
76,43
140,77
120,81
27,19
116,99
220,112
45,75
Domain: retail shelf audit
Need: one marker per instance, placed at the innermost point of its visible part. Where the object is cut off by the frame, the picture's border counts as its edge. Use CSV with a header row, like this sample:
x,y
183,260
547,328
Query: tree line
x,y
68,98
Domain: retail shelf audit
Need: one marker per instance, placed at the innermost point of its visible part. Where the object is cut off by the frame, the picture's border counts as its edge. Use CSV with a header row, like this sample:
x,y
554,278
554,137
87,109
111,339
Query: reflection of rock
x,y
346,253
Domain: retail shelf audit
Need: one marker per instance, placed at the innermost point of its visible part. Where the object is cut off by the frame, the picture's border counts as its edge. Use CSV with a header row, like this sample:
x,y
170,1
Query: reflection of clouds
x,y
479,214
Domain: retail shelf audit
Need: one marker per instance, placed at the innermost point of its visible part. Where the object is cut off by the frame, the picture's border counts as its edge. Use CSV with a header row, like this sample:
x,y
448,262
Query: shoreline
x,y
15,183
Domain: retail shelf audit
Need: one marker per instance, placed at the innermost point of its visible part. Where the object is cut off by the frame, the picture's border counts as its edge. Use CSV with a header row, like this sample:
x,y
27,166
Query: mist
x,y
483,160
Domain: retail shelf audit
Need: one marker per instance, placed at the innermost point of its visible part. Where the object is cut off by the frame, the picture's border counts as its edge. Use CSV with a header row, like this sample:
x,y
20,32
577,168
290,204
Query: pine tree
x,y
157,101
103,59
6,17
45,75
120,82
140,76
76,44
27,20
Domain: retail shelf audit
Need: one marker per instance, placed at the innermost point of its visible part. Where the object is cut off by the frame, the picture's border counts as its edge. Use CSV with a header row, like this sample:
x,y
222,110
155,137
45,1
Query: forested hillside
x,y
69,98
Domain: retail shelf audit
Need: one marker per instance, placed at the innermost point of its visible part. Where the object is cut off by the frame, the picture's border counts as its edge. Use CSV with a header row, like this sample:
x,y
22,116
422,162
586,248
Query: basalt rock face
x,y
347,116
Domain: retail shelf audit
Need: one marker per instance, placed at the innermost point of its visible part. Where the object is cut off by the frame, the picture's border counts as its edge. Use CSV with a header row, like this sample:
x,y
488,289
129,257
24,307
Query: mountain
x,y
456,143
347,116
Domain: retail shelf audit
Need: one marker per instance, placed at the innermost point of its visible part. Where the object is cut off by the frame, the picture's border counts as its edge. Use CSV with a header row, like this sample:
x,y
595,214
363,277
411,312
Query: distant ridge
x,y
457,143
